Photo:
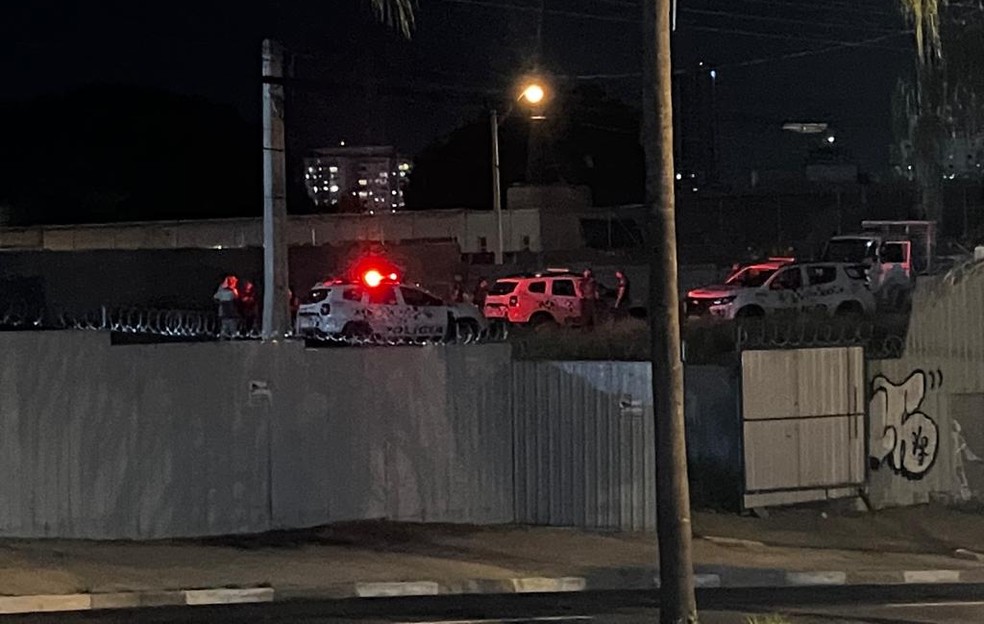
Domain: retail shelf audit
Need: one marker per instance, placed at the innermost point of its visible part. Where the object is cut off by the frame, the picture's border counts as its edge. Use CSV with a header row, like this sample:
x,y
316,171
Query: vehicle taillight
x,y
513,301
325,309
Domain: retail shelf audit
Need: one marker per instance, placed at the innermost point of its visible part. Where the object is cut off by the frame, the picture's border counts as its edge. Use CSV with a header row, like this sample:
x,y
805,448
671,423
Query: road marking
x,y
916,605
552,618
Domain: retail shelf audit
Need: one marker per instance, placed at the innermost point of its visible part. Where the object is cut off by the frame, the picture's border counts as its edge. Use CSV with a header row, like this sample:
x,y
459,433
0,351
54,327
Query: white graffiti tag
x,y
901,435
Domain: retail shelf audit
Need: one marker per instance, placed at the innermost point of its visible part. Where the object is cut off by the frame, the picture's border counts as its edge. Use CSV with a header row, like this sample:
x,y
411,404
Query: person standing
x,y
458,290
227,297
589,299
622,295
249,309
481,292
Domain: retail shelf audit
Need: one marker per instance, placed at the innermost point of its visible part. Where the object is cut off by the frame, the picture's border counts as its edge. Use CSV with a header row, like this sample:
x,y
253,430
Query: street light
x,y
533,94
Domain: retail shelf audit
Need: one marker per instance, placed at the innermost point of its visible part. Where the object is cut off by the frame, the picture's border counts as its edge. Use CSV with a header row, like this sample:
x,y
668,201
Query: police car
x,y
779,287
552,297
379,306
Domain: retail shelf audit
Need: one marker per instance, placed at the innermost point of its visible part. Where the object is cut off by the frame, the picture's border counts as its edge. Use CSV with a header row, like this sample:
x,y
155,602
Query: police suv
x,y
378,306
778,287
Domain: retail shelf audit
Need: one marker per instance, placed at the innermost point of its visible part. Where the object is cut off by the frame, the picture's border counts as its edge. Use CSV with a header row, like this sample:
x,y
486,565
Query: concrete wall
x,y
926,409
160,441
463,227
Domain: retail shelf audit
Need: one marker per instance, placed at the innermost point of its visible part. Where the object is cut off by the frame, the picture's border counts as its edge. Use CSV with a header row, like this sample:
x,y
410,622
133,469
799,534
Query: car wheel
x,y
467,330
543,320
356,331
849,310
750,312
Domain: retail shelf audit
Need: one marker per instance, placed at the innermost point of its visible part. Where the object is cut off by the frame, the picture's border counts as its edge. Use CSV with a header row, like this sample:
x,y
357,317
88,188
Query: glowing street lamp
x,y
533,95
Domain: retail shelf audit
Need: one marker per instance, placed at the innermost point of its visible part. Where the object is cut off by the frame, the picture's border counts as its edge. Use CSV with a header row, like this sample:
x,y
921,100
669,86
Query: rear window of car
x,y
538,287
317,295
856,272
502,288
352,293
563,288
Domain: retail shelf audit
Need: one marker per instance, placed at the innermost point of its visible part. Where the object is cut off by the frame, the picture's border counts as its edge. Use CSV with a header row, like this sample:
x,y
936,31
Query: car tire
x,y
466,330
543,320
849,310
356,331
752,311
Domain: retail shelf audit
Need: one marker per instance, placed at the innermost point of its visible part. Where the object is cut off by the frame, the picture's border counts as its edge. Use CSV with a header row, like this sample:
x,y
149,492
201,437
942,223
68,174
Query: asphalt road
x,y
900,605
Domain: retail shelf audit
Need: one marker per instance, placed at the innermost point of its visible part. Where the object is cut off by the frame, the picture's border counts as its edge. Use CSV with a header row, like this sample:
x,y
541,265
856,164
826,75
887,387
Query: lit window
x,y
316,189
403,174
404,166
333,188
383,175
392,192
363,182
362,194
333,169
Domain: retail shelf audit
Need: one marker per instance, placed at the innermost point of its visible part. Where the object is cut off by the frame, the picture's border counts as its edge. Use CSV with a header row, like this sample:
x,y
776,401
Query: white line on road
x,y
916,605
553,618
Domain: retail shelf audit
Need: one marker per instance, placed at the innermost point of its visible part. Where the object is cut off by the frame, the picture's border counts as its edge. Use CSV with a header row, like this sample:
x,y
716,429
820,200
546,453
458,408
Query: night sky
x,y
779,60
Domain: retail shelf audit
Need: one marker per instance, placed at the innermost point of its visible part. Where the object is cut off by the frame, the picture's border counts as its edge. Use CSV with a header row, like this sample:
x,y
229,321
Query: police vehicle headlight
x,y
723,300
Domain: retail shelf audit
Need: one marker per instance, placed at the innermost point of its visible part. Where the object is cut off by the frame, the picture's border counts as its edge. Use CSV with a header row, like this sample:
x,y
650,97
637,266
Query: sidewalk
x,y
379,559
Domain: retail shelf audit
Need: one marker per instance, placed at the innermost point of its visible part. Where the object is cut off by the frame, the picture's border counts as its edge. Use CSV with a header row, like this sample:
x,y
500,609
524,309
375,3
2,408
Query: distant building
x,y
963,157
357,179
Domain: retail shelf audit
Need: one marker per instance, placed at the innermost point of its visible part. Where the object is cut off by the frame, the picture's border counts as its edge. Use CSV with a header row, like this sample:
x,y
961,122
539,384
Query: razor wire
x,y
19,316
191,325
878,342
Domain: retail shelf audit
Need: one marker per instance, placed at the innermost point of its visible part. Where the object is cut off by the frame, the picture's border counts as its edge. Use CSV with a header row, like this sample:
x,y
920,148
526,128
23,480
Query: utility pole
x,y
276,313
677,600
496,188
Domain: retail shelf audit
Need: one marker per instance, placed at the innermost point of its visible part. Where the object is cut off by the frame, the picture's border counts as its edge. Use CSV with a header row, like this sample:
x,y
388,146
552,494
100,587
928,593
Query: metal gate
x,y
803,425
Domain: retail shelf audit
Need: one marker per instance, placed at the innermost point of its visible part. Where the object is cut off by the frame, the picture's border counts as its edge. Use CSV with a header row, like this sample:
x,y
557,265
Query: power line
x,y
750,33
757,61
782,20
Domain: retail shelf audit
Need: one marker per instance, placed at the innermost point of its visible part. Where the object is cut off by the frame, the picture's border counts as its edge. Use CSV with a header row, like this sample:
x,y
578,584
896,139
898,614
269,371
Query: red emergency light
x,y
374,271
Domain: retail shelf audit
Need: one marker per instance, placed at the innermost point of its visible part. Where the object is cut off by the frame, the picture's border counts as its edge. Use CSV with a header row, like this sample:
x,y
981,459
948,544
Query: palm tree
x,y
924,15
396,13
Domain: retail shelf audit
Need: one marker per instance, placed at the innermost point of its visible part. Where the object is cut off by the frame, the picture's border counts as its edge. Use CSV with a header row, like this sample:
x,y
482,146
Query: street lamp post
x,y
533,94
496,188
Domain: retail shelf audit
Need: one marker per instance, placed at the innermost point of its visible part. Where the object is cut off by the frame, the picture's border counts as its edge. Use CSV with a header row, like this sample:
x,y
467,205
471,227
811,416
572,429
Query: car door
x,y
784,291
425,315
535,299
383,310
565,299
822,292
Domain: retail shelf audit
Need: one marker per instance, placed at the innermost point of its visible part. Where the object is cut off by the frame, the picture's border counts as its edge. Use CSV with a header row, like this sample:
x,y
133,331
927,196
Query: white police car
x,y
378,306
779,287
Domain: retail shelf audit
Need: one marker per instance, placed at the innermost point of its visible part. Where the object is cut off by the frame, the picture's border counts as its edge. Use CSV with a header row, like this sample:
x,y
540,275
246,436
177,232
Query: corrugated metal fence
x,y
157,441
585,442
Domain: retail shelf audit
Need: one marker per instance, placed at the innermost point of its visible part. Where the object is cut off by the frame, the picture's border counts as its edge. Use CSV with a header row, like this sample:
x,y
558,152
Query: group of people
x,y
477,296
239,308
591,294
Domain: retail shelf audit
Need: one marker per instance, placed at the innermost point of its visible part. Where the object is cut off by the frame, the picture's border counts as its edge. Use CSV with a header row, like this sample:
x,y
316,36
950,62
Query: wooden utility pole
x,y
677,600
276,312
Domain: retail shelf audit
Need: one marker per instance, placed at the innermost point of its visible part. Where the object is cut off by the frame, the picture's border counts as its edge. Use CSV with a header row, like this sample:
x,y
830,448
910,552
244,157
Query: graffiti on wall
x,y
902,436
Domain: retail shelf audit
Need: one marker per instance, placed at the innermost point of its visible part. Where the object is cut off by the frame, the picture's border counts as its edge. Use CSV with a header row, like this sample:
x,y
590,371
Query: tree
x,y
396,13
924,15
677,600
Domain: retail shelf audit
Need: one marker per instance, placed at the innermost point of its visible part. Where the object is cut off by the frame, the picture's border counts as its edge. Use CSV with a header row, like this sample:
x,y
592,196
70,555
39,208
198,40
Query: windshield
x,y
849,250
502,288
750,277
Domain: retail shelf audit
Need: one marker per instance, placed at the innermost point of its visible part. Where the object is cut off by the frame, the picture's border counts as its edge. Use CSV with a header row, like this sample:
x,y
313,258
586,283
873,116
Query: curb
x,y
618,579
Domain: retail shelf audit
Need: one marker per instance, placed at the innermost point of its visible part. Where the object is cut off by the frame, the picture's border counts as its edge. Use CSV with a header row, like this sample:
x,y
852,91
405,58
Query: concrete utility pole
x,y
496,188
677,601
276,313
